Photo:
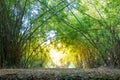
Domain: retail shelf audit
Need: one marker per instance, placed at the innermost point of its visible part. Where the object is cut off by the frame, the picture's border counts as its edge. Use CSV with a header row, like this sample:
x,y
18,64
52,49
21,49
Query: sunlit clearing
x,y
56,57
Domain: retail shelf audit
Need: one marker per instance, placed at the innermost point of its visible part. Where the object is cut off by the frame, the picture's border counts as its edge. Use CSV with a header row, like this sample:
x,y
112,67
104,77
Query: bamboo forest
x,y
79,34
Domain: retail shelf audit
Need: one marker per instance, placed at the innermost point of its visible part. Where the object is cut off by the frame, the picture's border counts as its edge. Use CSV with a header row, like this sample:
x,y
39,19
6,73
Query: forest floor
x,y
101,73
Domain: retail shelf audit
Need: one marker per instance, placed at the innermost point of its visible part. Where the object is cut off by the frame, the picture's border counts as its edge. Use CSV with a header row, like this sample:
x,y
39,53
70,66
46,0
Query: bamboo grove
x,y
86,32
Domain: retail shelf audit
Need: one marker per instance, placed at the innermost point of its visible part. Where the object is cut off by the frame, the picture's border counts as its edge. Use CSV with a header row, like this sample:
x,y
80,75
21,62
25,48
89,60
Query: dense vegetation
x,y
84,32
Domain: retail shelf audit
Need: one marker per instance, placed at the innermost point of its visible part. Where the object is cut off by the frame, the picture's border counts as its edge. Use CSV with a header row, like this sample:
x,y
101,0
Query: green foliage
x,y
87,30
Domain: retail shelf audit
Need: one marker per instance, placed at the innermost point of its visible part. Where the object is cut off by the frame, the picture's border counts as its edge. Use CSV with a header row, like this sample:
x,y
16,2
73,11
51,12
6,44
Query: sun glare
x,y
56,56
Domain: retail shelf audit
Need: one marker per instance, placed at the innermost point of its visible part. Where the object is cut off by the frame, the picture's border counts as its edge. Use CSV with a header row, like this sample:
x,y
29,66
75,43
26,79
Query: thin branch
x,y
27,28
